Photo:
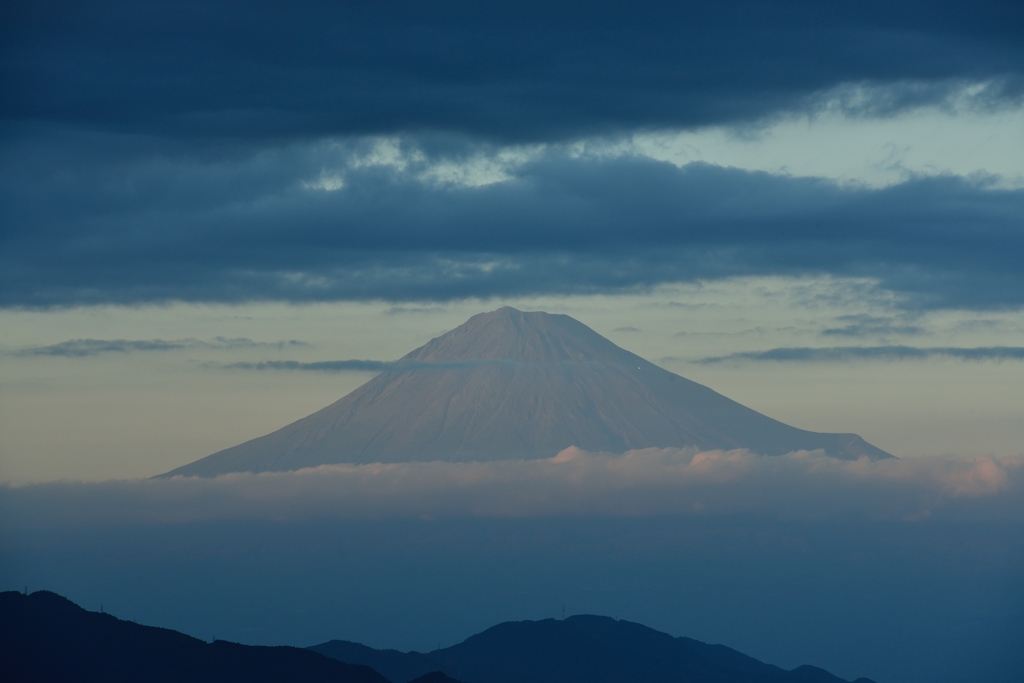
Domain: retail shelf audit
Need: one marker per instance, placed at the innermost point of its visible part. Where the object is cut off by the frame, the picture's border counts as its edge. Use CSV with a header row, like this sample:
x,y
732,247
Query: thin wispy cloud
x,y
355,365
400,310
78,348
315,366
862,325
890,353
738,333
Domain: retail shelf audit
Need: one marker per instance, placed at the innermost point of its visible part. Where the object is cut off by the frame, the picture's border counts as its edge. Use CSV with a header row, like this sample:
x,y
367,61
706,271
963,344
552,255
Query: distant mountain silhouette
x,y
580,649
45,637
510,385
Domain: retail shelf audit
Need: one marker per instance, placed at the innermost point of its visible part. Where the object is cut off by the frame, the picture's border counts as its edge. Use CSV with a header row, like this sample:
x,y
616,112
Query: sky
x,y
218,217
190,186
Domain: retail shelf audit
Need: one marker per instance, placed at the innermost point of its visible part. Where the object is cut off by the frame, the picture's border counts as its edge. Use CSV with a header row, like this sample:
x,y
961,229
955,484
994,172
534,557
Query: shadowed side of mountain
x,y
45,637
514,385
580,649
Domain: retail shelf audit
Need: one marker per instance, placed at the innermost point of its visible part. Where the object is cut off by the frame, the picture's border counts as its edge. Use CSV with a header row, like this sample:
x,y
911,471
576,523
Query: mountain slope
x,y
45,637
509,384
583,649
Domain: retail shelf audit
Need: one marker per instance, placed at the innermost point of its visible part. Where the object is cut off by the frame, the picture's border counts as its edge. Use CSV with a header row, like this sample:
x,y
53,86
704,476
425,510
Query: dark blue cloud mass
x,y
166,151
98,225
522,70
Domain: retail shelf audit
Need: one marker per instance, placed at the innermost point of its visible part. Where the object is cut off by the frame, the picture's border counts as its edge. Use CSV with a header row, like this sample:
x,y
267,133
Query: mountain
x,y
434,677
45,637
510,385
580,649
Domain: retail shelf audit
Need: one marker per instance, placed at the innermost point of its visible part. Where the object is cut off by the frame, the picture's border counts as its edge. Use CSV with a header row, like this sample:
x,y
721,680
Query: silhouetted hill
x,y
396,666
509,385
434,677
45,637
580,649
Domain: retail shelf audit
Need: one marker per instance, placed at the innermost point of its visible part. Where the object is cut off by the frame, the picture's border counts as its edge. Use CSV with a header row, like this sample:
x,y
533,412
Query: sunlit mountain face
x,y
514,385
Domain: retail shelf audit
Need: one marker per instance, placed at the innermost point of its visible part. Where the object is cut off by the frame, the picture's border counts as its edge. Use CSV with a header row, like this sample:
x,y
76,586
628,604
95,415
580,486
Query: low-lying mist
x,y
904,571
803,485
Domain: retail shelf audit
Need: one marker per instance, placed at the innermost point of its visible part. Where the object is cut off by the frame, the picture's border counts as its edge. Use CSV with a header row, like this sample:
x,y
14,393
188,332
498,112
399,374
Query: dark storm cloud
x,y
844,353
498,70
79,348
154,152
92,219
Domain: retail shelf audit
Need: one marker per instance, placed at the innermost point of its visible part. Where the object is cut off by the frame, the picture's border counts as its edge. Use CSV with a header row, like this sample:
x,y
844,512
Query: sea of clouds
x,y
800,485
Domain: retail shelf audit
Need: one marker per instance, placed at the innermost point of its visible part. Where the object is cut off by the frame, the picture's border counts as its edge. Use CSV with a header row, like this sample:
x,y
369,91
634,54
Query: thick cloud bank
x,y
323,223
221,151
802,485
502,70
902,571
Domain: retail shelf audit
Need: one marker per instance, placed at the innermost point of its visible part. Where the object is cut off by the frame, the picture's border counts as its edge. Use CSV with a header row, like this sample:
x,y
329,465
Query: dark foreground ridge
x,y
45,637
580,649
513,385
434,677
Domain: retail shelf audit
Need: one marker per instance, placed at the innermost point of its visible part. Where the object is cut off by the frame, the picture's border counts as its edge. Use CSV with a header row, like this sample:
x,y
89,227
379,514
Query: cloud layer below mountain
x,y
647,482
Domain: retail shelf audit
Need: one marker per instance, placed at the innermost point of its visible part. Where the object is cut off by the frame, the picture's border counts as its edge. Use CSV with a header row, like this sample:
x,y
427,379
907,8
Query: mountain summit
x,y
508,385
